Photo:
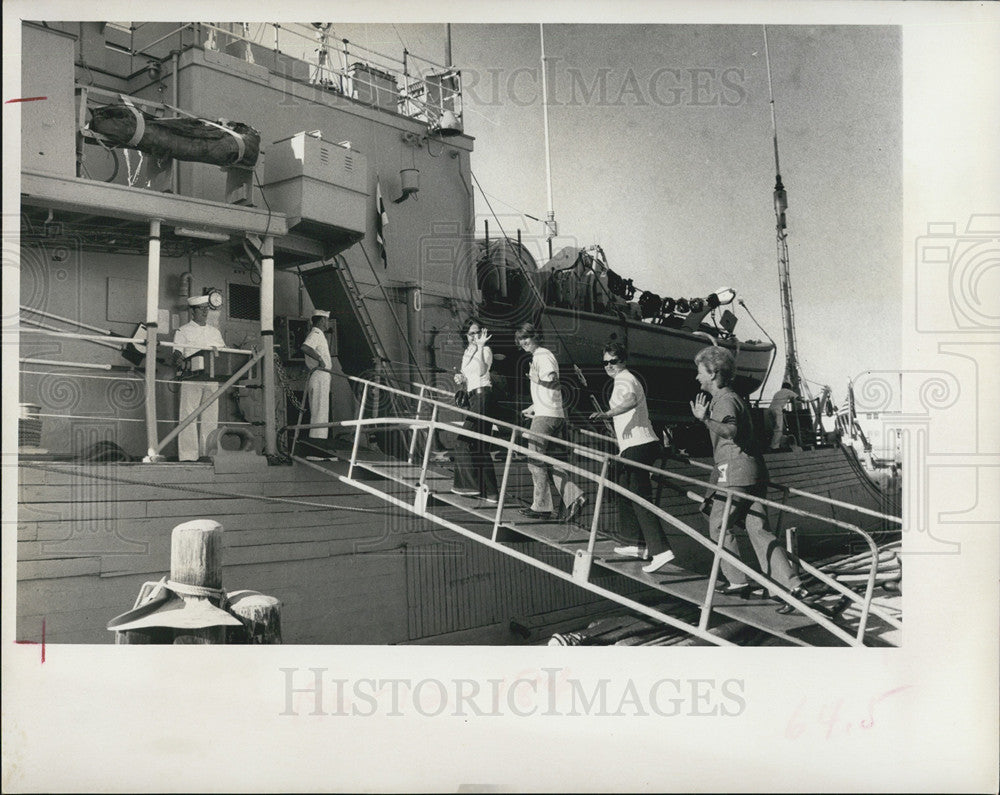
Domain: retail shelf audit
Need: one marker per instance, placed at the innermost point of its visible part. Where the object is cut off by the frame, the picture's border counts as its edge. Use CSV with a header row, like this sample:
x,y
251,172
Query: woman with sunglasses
x,y
474,472
637,441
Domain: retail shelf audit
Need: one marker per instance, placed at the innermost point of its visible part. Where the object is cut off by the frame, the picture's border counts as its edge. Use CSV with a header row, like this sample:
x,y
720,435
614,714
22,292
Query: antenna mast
x,y
793,373
551,228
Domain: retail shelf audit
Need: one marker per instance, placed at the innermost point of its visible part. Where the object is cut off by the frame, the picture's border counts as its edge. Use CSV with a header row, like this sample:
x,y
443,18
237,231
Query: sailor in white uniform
x,y
318,360
195,335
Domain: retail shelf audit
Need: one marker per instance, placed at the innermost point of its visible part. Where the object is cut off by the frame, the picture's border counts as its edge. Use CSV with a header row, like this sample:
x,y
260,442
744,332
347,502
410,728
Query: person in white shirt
x,y
776,413
548,417
317,352
474,472
194,336
637,441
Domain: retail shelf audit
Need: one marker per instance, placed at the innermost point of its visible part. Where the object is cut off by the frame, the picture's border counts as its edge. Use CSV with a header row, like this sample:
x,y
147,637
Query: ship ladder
x,y
382,363
591,552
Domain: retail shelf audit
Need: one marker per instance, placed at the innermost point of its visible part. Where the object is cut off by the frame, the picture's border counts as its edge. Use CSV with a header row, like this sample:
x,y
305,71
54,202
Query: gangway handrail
x,y
528,559
432,388
774,485
588,452
731,493
433,424
603,483
125,340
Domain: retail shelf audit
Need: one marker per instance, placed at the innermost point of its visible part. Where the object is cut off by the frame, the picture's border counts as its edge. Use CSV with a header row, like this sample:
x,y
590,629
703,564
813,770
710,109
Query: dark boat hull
x,y
662,357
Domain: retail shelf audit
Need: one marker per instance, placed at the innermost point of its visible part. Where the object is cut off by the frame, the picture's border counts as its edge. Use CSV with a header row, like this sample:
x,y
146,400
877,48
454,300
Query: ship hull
x,y
354,572
663,357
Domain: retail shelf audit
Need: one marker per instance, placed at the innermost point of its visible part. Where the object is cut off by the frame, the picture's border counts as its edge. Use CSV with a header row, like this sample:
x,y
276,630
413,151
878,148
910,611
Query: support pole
x,y
175,62
152,318
267,341
713,577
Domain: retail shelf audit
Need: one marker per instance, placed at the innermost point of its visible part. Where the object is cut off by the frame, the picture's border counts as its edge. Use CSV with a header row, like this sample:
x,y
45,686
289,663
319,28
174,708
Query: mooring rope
x,y
213,493
123,419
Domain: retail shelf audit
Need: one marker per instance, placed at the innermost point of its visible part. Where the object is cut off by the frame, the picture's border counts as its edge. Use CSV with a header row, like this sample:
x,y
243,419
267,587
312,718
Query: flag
x,y
381,222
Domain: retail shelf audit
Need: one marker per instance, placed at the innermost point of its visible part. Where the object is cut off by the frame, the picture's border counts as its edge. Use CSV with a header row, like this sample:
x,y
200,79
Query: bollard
x,y
261,617
196,554
191,606
196,561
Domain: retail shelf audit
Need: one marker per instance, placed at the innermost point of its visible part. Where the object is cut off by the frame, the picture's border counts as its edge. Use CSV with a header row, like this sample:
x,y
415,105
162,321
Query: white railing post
x,y
267,343
152,318
413,439
427,448
706,609
357,431
503,483
583,560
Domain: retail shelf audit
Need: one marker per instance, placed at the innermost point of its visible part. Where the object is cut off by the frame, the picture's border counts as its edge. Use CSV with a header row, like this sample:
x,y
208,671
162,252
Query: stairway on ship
x,y
684,581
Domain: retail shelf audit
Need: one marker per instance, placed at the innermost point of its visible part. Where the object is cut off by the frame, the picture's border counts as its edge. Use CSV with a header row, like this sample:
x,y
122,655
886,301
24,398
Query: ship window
x,y
244,302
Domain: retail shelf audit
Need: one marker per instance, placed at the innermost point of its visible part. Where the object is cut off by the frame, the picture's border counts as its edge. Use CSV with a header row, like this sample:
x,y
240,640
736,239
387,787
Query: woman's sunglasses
x,y
606,362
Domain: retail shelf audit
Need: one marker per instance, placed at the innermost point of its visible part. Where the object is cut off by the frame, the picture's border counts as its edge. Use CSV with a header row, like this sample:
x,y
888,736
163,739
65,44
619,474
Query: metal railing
x,y
372,78
111,340
584,559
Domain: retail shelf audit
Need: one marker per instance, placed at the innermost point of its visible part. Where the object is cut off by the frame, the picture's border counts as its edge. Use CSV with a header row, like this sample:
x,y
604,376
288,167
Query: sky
x,y
662,152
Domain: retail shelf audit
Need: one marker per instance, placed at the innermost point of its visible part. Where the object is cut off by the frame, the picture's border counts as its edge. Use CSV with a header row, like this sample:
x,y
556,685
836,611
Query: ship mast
x,y
793,373
551,228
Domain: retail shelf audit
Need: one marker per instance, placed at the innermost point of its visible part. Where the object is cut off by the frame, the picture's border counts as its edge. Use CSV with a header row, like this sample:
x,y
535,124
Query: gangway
x,y
500,528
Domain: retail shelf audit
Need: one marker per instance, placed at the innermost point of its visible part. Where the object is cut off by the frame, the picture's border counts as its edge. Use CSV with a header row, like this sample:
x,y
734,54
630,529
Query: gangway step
x,y
760,612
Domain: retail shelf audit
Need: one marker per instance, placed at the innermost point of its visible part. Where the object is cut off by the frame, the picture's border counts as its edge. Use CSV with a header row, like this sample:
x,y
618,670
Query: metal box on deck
x,y
373,86
318,184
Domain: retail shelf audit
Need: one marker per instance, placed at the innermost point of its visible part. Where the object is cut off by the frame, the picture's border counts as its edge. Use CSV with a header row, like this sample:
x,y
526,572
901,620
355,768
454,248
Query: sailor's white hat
x,y
321,313
198,300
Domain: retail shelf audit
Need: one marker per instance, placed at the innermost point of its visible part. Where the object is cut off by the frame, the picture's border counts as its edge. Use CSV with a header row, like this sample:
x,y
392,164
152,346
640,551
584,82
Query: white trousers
x,y
191,441
319,403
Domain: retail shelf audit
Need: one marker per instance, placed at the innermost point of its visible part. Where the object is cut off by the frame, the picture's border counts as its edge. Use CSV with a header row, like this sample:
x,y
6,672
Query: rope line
x,y
126,419
213,493
114,377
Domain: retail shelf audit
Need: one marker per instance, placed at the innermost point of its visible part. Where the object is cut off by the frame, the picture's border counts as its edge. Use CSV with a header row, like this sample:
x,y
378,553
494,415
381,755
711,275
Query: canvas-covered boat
x,y
581,304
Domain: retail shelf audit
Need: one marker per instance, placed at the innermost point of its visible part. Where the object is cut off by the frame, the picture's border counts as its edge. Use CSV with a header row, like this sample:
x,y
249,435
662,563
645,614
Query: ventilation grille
x,y
244,302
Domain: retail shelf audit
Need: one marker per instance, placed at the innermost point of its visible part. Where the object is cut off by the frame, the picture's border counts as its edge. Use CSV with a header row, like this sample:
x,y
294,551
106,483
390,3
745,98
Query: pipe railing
x,y
155,445
185,422
582,570
413,89
125,340
778,486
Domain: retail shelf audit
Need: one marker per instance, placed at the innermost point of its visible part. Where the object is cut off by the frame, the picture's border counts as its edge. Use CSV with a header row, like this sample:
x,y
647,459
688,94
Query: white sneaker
x,y
465,492
659,561
633,551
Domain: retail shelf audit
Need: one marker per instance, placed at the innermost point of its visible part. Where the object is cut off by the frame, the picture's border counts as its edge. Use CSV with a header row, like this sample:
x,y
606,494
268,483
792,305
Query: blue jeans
x,y
543,475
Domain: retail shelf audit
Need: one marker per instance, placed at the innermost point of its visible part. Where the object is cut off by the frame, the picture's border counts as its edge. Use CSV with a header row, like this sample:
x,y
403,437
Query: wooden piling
x,y
196,559
196,554
260,614
196,577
